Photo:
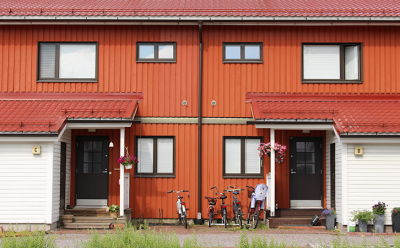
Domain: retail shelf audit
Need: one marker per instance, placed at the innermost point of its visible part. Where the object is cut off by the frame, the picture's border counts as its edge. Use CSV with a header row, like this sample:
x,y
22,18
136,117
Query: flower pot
x,y
330,221
362,226
396,223
114,215
379,223
128,166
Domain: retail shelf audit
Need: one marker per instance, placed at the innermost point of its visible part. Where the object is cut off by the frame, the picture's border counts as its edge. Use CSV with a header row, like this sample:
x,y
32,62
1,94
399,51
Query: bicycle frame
x,y
181,207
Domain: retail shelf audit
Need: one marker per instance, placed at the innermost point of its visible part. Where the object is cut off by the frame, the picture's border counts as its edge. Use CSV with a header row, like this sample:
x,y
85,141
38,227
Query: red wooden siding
x,y
212,165
281,70
165,85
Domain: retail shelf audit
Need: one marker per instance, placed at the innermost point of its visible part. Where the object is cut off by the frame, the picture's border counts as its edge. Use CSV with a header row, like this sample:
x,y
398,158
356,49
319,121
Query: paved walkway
x,y
218,236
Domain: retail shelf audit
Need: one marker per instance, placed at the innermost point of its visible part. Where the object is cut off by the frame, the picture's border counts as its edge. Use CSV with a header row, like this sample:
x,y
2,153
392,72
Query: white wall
x,y
373,177
23,183
331,138
66,137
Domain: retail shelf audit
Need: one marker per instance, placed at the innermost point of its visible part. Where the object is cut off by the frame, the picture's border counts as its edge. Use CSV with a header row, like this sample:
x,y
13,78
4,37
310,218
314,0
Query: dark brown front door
x,y
92,171
305,168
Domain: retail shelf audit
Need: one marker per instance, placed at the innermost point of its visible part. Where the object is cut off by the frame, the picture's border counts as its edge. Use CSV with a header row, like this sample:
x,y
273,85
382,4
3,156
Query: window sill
x,y
243,176
154,176
331,81
242,61
155,61
67,81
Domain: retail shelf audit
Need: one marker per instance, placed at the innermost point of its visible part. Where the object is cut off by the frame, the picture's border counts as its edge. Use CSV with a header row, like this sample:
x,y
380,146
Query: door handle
x,y
292,172
104,172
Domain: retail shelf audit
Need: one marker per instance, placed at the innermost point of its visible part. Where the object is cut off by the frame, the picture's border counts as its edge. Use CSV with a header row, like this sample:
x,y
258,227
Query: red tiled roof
x,y
276,8
350,113
47,112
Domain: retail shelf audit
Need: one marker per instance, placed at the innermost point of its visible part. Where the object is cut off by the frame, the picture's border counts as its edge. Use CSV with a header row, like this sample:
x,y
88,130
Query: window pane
x,y
87,146
146,51
165,51
145,155
252,157
252,52
77,61
321,62
232,155
165,155
47,60
300,146
351,62
97,146
301,169
97,157
310,147
310,157
87,167
310,168
96,167
87,157
232,52
301,158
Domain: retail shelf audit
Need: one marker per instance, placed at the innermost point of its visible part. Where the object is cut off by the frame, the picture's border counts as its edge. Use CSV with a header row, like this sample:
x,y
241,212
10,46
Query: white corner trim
x,y
50,165
344,185
272,189
121,172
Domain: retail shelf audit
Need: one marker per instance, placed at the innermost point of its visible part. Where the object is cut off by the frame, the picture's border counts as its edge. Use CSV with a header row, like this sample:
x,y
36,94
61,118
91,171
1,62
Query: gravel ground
x,y
218,238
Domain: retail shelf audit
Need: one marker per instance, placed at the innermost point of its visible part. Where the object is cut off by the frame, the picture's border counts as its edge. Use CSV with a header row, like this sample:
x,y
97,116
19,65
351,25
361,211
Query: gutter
x,y
199,122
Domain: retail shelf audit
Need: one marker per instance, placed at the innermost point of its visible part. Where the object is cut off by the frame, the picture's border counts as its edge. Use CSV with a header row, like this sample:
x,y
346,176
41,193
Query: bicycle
x,y
181,208
211,209
237,206
257,199
212,203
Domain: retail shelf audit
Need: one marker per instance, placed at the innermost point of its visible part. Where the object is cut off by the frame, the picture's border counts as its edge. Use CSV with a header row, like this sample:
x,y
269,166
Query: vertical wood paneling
x,y
281,70
164,85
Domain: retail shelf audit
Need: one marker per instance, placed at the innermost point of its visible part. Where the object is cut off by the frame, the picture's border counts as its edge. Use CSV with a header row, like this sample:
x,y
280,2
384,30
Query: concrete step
x,y
101,219
87,225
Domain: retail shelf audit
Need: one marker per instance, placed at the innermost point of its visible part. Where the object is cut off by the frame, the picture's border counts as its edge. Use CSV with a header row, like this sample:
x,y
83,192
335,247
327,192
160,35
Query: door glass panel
x,y
301,158
310,158
87,168
97,157
87,157
97,146
310,168
300,146
301,169
310,147
87,146
96,167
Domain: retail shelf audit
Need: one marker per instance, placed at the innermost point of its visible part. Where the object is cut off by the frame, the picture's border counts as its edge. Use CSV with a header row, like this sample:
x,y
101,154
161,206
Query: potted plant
x,y
379,222
330,218
266,148
363,217
127,161
396,220
114,211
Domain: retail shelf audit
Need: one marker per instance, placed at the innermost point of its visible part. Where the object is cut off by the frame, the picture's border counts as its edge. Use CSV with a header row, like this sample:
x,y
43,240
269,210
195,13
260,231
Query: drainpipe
x,y
199,123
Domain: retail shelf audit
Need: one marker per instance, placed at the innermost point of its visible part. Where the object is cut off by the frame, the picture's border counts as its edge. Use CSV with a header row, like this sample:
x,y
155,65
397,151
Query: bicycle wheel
x,y
210,218
225,218
184,220
240,217
256,218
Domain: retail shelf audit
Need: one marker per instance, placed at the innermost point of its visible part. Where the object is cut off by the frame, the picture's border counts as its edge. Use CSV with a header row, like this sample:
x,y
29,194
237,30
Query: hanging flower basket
x,y
266,148
127,160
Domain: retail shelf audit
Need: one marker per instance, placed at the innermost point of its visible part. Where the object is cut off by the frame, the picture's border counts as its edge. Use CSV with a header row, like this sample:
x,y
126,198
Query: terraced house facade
x,y
191,88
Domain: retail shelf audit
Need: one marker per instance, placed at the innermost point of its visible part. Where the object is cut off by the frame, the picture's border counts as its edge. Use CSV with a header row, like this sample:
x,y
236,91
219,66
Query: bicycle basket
x,y
250,192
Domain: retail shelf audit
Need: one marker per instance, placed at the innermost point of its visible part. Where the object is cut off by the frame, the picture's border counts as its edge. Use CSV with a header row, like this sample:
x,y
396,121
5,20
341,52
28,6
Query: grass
x,y
27,239
258,242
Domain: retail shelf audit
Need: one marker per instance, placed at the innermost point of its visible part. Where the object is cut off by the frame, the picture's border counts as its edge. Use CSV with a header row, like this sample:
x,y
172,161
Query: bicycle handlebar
x,y
170,191
185,190
177,191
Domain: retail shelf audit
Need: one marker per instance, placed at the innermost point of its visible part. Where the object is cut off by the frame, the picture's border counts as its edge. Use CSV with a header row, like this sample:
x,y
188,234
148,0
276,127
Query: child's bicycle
x,y
211,208
181,208
237,206
258,196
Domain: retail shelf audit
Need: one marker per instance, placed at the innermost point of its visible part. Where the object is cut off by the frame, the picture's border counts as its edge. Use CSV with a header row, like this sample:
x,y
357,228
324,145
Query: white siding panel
x,y
331,138
374,177
23,183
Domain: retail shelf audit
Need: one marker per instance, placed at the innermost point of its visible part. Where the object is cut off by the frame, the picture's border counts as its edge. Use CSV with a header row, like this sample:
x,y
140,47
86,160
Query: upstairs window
x,y
242,52
156,157
332,63
67,62
156,52
241,159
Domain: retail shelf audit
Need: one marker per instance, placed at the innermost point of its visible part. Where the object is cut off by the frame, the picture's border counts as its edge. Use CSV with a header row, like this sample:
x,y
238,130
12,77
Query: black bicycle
x,y
237,206
224,213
